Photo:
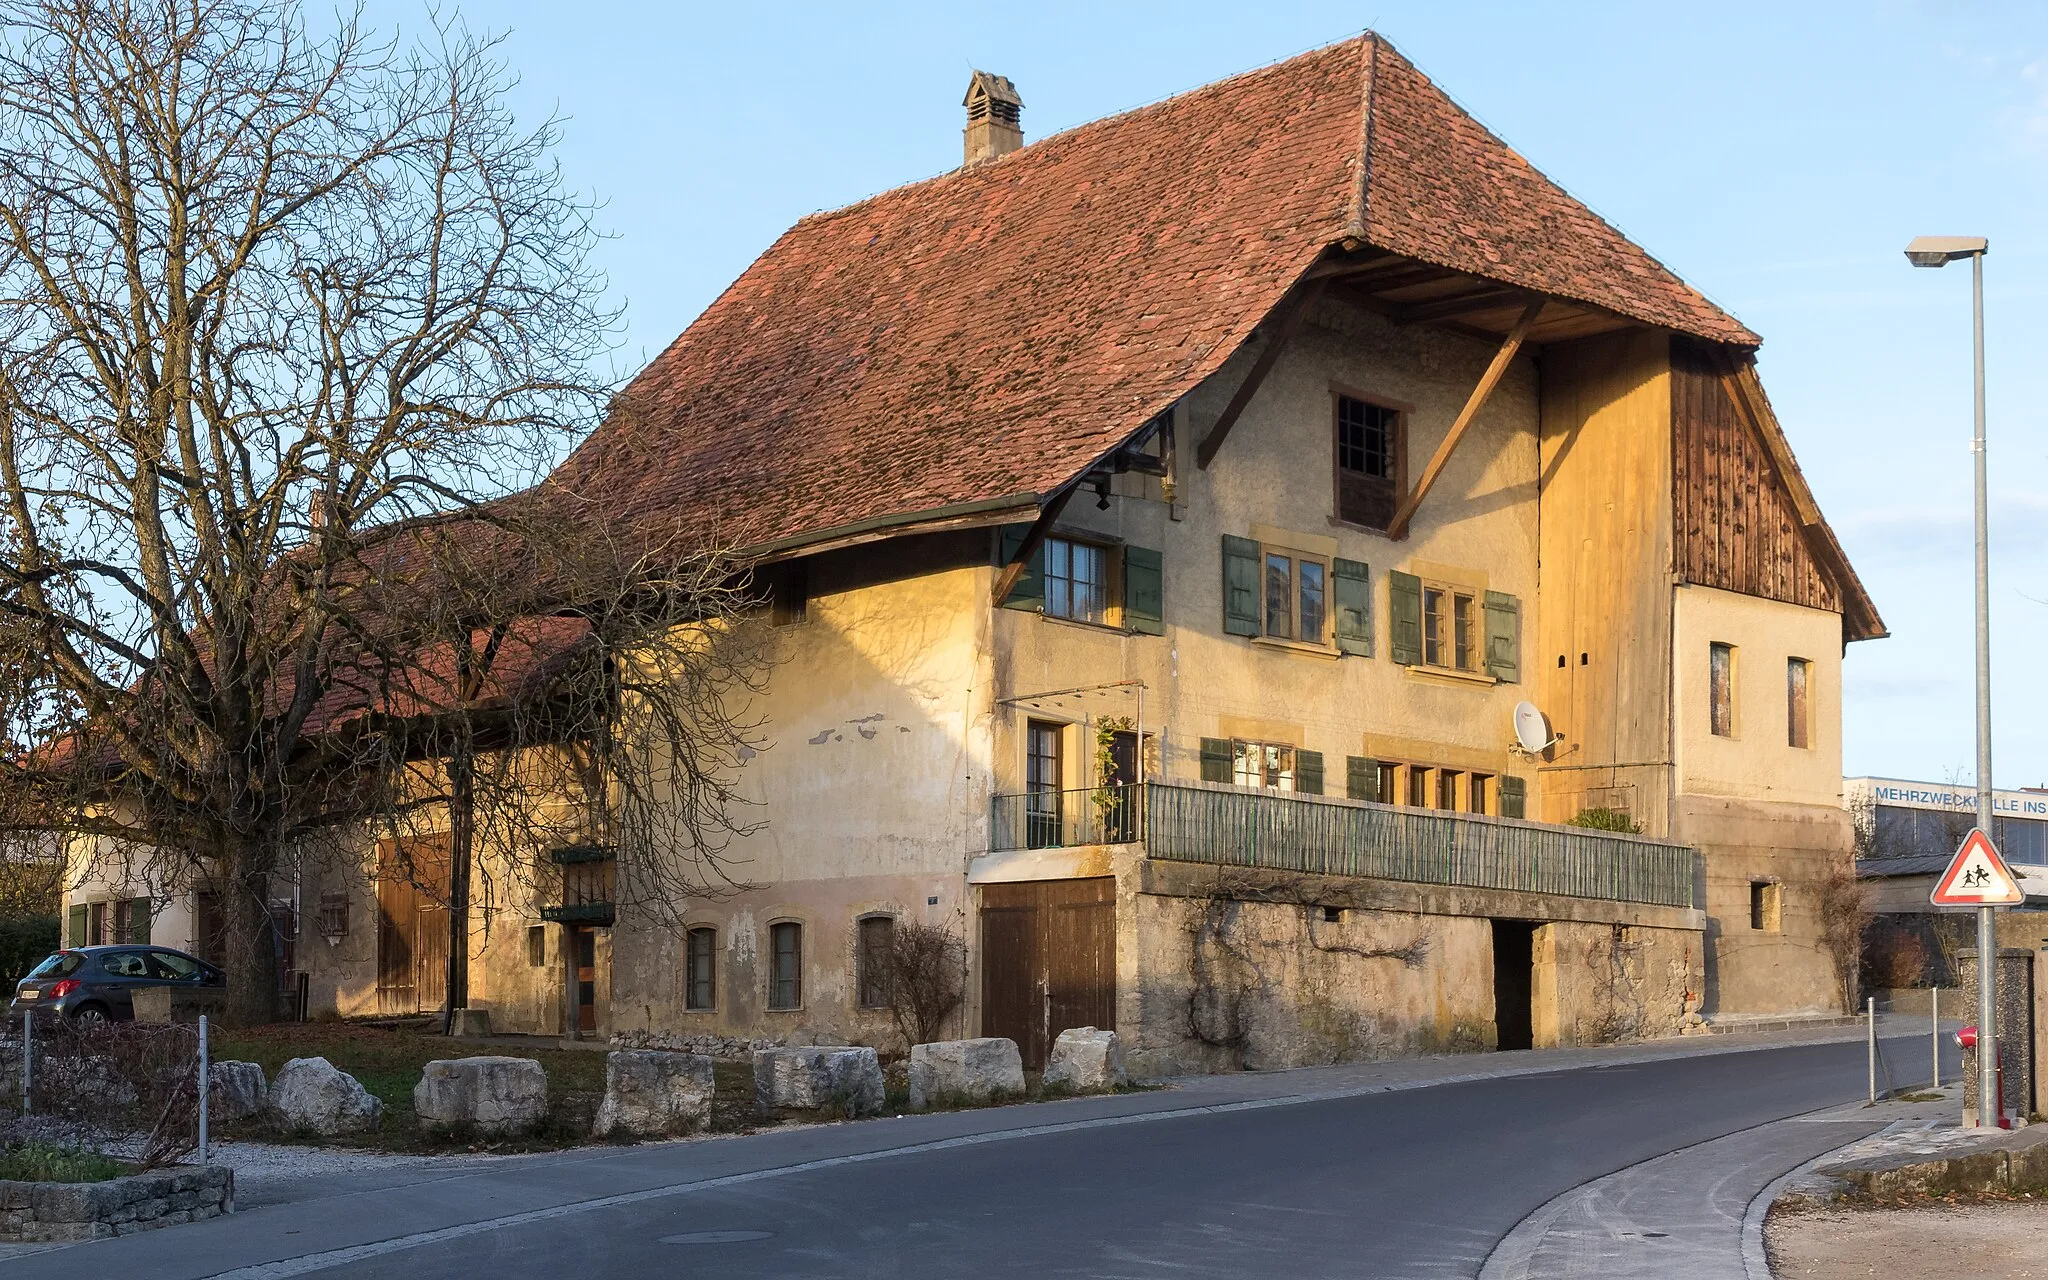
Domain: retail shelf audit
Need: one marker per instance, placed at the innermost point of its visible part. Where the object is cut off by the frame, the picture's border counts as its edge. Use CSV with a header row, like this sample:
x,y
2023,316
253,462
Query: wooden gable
x,y
1742,518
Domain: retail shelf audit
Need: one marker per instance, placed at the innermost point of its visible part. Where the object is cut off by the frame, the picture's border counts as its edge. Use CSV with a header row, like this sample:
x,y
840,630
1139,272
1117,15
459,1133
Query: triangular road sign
x,y
1977,877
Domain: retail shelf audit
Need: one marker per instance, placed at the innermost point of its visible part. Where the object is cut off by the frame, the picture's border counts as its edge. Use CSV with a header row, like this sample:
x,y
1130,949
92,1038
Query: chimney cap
x,y
989,86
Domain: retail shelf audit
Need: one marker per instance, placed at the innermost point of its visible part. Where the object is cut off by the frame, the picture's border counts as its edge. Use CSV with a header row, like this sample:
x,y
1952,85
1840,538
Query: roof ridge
x,y
1354,225
1210,89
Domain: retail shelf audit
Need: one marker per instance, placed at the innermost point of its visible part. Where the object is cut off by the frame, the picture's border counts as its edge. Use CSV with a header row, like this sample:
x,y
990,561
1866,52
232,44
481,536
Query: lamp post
x,y
1939,251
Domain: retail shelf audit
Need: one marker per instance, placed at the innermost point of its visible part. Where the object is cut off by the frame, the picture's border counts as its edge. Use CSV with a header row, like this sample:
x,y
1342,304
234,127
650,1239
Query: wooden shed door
x,y
1048,960
412,927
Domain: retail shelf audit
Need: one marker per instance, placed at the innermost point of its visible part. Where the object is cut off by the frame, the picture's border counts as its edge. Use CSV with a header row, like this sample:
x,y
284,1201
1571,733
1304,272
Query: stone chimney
x,y
993,109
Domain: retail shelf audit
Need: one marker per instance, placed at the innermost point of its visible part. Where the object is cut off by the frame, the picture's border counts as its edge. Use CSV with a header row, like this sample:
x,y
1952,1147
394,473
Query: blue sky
x,y
1778,156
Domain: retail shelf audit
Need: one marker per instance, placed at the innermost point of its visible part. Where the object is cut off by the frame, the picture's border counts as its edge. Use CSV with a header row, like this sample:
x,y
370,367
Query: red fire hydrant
x,y
1967,1039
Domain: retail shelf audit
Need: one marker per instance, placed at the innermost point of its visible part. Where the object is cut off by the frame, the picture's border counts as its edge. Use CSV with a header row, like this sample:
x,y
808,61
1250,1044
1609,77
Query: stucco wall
x,y
1766,971
869,790
1273,480
1757,762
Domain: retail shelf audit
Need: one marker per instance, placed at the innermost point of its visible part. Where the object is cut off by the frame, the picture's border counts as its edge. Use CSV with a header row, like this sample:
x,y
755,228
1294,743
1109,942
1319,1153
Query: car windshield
x,y
124,964
176,968
62,964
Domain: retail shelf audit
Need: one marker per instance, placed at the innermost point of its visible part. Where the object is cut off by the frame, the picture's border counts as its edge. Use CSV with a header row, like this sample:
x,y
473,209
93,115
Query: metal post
x,y
28,1053
1990,1105
205,1088
1934,1025
1870,1013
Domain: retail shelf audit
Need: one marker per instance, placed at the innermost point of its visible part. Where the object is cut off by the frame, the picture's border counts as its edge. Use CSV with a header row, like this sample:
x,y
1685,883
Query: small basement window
x,y
1765,904
700,964
785,979
536,945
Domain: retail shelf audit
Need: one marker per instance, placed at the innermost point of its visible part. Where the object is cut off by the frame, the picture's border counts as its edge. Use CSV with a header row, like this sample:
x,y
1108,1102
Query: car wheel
x,y
91,1016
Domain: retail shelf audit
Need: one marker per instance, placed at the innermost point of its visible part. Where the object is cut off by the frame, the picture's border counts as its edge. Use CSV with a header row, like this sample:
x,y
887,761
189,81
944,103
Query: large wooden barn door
x,y
1048,960
412,925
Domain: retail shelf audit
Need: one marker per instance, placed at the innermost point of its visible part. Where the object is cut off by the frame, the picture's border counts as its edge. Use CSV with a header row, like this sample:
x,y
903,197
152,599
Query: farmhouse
x,y
1166,523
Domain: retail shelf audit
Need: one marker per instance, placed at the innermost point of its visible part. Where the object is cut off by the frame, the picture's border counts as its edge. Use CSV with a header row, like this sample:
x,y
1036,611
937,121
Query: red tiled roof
x,y
990,333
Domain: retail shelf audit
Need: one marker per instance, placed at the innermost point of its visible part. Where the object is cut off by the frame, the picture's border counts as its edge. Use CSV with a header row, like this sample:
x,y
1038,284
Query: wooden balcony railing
x,y
1237,826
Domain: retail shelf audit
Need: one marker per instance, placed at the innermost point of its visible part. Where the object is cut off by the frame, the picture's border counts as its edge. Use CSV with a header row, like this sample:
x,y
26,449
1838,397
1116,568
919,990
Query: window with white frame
x,y
1262,764
1297,596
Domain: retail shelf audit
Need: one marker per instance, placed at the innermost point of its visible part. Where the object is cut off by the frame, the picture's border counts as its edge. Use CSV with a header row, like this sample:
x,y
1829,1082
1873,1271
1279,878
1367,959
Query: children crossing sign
x,y
1977,877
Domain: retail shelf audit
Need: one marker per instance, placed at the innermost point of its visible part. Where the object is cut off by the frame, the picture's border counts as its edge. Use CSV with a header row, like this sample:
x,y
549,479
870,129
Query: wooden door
x,y
583,954
1048,960
412,926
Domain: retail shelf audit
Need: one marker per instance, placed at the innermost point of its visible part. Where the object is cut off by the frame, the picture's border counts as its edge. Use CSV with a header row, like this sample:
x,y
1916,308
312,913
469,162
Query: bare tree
x,y
269,300
922,965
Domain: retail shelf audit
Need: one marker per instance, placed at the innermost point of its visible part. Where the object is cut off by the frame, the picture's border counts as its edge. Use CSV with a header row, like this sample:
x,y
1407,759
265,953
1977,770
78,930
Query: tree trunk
x,y
249,950
461,848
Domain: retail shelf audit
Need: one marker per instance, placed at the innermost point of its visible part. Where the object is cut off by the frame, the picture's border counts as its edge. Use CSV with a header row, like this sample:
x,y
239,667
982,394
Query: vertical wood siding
x,y
1733,525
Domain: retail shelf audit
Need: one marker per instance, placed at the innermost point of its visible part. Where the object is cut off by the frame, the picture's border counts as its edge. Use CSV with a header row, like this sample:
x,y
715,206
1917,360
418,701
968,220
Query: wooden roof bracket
x,y
1006,581
1398,527
1290,319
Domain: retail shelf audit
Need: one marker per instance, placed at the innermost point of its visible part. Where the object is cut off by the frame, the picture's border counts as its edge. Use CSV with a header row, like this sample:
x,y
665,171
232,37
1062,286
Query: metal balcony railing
x,y
1059,819
1236,826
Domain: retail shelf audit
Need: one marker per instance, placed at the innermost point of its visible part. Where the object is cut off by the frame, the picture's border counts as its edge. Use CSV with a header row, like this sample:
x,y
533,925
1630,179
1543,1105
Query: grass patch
x,y
42,1162
390,1061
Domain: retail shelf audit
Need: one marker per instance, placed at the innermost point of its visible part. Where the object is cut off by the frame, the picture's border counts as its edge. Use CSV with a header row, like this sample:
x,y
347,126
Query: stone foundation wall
x,y
1263,972
49,1211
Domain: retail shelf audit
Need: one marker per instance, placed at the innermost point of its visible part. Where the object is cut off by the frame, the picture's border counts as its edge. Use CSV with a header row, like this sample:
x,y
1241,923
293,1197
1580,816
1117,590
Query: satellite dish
x,y
1532,731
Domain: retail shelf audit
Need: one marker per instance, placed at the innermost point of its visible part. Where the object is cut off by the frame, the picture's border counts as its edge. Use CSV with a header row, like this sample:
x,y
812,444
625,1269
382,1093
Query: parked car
x,y
98,984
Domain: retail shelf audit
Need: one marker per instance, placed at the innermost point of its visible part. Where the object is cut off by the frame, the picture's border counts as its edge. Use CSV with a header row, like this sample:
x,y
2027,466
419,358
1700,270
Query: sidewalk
x,y
295,1222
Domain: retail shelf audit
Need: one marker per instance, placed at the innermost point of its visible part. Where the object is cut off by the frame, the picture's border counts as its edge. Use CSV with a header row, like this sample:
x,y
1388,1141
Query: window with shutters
x,y
1369,448
700,969
1447,788
1388,775
1262,764
1296,597
1514,796
1798,674
1721,689
1477,789
786,963
1076,580
1447,627
871,961
1079,580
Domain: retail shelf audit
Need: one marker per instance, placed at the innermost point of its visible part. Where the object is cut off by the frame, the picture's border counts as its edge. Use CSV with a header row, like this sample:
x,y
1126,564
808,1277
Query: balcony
x,y
1283,831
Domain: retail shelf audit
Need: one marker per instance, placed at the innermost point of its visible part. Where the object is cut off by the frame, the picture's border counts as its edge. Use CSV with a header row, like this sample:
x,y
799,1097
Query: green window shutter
x,y
1404,602
74,931
1361,778
1514,797
1216,760
1144,591
1352,586
1240,586
1503,637
1308,772
137,922
1029,593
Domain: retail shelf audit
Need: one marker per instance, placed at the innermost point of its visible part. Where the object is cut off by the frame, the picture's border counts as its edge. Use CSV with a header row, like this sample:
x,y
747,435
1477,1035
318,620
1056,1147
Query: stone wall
x,y
1245,970
50,1211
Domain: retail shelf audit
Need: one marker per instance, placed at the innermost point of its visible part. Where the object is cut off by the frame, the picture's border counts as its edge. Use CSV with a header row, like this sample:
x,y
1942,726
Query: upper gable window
x,y
1368,461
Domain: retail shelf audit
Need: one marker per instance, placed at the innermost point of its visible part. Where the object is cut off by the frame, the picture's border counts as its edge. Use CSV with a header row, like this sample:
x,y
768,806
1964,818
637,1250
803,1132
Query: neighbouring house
x,y
1166,523
1906,835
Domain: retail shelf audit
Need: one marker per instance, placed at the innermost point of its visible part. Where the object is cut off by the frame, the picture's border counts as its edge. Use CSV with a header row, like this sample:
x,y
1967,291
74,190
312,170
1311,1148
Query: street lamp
x,y
1939,251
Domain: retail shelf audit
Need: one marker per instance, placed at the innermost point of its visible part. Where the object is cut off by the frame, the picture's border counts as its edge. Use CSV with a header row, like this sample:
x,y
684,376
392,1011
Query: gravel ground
x,y
257,1161
1955,1242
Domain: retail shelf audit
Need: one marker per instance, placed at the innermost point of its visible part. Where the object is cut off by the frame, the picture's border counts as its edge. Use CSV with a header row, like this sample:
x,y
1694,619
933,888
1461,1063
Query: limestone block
x,y
235,1090
655,1093
311,1093
492,1095
1084,1059
471,1022
814,1079
965,1071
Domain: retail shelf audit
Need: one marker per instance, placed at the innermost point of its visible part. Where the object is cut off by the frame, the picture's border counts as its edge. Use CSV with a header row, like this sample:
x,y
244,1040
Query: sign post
x,y
1978,877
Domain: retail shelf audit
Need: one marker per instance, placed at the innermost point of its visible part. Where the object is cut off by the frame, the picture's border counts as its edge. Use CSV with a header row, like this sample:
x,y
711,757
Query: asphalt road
x,y
1417,1183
